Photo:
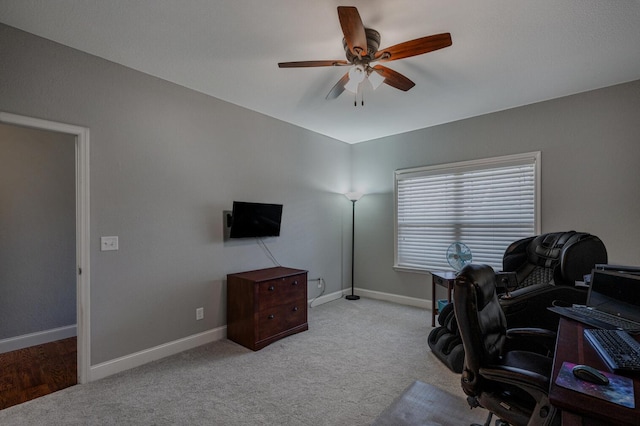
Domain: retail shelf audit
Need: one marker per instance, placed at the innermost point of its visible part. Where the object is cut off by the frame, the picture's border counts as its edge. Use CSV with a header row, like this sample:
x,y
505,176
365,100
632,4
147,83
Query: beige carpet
x,y
355,360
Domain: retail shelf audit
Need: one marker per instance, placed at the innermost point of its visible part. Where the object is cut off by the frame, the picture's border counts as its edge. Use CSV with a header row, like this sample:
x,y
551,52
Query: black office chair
x,y
512,384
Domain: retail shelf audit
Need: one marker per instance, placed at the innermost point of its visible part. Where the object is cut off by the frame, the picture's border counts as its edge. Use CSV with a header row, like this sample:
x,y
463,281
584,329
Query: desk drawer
x,y
443,281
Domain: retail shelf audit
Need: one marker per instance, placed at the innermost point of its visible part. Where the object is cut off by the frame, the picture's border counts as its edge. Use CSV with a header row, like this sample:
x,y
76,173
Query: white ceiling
x,y
505,53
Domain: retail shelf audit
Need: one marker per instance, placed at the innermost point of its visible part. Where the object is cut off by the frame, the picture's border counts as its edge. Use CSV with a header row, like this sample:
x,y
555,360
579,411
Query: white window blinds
x,y
485,204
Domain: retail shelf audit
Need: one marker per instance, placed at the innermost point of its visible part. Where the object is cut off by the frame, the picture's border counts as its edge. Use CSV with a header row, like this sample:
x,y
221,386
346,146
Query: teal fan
x,y
458,255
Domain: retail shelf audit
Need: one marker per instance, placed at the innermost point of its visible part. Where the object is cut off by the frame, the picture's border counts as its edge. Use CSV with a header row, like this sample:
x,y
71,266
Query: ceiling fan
x,y
361,47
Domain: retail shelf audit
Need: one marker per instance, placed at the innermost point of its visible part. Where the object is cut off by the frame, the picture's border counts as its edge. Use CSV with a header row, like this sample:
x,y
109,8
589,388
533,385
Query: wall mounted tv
x,y
252,220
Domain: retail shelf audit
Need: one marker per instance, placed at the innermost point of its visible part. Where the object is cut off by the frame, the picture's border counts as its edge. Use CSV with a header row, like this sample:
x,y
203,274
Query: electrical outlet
x,y
199,314
108,243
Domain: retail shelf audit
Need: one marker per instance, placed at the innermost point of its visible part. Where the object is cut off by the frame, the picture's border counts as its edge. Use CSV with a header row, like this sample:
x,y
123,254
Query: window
x,y
485,204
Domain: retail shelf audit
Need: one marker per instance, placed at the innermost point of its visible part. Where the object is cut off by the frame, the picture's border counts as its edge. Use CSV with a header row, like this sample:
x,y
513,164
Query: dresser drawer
x,y
280,291
266,305
280,319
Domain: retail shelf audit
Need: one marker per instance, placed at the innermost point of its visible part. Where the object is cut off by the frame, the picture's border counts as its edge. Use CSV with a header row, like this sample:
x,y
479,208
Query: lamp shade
x,y
375,79
354,196
352,86
357,75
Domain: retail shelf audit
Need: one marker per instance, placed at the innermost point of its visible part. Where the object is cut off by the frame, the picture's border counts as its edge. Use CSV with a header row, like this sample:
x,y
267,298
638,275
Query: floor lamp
x,y
353,196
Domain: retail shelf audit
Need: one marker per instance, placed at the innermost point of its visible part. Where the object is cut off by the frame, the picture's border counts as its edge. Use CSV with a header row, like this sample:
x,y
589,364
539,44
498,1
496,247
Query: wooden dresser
x,y
266,305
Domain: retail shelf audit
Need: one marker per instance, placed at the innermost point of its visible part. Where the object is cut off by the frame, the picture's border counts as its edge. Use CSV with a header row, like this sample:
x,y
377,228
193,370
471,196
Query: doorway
x,y
81,135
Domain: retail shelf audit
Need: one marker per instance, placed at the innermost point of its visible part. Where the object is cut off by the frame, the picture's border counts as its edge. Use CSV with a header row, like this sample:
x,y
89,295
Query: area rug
x,y
426,405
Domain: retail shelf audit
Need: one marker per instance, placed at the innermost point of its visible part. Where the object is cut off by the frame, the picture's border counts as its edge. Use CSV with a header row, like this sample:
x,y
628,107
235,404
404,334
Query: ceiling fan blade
x,y
353,30
415,47
338,88
303,64
394,78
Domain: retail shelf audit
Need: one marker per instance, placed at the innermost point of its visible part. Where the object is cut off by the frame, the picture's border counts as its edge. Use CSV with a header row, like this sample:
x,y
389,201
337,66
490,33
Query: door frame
x,y
83,275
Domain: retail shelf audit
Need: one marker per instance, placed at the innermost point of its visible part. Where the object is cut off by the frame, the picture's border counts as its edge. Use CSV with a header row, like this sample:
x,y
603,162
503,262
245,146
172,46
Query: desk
x,y
578,408
444,279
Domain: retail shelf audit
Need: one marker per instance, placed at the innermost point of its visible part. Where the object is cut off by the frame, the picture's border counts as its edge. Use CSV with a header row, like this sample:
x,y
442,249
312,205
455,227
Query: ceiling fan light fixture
x,y
352,86
375,79
361,46
357,75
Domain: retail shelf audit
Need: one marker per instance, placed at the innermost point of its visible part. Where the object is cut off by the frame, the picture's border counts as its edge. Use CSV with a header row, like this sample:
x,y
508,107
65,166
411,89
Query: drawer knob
x,y
295,309
271,316
295,282
271,288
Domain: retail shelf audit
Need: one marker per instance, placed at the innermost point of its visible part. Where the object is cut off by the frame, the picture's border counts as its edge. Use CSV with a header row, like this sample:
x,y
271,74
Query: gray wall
x,y
37,231
590,146
165,162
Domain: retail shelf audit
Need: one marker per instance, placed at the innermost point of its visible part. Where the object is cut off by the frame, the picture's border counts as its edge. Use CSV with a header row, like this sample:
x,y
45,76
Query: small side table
x,y
444,279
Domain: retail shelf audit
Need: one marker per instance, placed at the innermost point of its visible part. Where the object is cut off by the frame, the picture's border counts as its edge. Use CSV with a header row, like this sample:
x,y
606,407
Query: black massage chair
x,y
546,268
538,272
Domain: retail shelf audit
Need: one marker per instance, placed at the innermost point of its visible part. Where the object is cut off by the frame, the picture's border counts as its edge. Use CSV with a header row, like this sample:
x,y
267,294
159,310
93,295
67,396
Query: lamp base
x,y
352,297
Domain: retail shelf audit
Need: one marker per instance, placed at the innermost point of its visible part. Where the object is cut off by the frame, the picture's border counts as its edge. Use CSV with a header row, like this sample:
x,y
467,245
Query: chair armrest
x,y
531,332
527,307
529,291
538,340
535,290
515,376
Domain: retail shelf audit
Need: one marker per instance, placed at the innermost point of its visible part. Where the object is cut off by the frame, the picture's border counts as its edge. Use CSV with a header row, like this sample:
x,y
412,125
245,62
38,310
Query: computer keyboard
x,y
615,321
617,348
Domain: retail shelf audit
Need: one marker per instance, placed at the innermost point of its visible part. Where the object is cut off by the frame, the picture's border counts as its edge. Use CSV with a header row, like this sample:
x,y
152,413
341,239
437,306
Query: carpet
x,y
352,363
426,405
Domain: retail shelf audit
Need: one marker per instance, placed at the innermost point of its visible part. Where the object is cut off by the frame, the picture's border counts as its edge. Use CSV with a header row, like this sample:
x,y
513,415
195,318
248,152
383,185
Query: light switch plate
x,y
108,243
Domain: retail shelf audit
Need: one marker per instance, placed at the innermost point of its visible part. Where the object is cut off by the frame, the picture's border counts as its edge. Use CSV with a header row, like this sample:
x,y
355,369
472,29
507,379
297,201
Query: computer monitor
x,y
616,293
618,268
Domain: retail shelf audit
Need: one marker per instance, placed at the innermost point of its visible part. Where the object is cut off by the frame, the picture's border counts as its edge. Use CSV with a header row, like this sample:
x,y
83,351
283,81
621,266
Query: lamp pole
x,y
353,196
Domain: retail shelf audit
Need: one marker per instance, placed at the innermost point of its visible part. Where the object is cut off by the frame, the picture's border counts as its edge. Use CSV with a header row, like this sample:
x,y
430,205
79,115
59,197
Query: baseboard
x,y
401,300
38,338
137,359
324,299
371,294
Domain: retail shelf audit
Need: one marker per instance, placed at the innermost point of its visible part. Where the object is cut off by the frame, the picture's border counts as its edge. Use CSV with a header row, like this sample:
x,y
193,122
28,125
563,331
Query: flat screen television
x,y
251,220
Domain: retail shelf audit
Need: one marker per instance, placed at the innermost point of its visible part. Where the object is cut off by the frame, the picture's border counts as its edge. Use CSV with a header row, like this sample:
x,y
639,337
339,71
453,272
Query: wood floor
x,y
33,372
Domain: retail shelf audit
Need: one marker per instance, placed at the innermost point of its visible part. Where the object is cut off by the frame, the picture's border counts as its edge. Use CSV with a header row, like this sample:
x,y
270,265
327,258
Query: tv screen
x,y
250,220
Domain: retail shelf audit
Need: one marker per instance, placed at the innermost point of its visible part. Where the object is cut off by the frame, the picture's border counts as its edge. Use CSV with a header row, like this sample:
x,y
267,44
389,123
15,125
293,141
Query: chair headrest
x,y
483,278
545,249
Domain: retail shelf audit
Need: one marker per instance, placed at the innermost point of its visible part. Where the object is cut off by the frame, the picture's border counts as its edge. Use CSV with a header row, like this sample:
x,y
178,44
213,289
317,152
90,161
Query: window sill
x,y
411,270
